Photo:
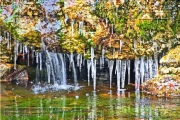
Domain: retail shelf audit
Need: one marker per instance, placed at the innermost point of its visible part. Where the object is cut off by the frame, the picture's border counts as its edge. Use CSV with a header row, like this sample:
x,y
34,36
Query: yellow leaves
x,y
146,16
160,13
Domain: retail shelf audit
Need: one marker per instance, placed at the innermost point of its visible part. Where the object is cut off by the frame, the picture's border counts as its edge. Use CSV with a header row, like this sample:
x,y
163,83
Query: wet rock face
x,y
18,75
8,74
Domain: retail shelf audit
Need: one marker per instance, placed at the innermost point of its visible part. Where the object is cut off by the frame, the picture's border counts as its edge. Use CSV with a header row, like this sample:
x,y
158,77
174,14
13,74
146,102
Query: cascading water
x,y
63,81
55,62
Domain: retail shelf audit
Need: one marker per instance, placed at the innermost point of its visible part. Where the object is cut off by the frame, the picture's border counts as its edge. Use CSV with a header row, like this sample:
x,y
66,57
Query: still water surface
x,y
20,103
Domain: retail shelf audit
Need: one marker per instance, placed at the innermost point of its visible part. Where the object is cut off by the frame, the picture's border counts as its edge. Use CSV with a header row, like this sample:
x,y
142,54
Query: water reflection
x,y
89,105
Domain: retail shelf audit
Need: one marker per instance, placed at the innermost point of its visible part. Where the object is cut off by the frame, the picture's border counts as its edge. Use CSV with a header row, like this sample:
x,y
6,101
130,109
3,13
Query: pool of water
x,y
21,103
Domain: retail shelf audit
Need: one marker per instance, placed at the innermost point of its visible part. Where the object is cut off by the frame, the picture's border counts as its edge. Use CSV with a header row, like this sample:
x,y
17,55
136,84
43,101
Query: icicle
x,y
5,36
23,52
102,59
118,73
81,60
121,43
135,46
123,73
26,48
8,41
32,54
94,75
40,60
92,60
112,29
142,69
156,63
37,57
100,63
15,53
78,60
137,73
146,75
129,68
150,67
37,73
81,27
43,44
71,58
110,64
28,57
88,68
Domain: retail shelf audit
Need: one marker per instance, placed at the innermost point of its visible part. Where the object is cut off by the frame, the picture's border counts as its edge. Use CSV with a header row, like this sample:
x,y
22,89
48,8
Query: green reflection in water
x,y
18,103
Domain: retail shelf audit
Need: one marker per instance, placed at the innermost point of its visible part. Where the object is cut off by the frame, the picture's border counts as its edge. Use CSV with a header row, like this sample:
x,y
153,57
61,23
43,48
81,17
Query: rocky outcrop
x,y
5,70
167,83
8,74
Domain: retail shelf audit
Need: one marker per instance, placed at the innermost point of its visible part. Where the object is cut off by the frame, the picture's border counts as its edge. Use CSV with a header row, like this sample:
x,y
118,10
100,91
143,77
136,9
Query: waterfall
x,y
37,73
50,65
74,73
63,65
56,68
110,64
72,65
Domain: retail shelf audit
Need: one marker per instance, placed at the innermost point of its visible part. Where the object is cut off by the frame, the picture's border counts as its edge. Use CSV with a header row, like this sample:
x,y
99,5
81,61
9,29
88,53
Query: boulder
x,y
167,83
